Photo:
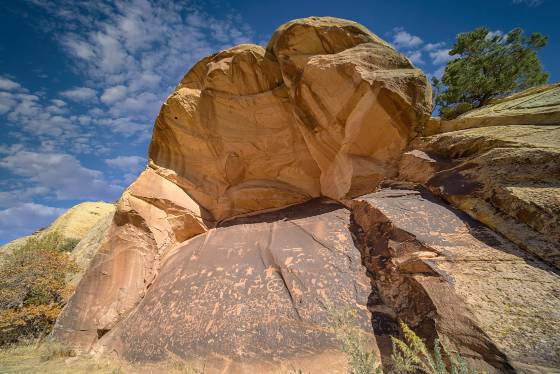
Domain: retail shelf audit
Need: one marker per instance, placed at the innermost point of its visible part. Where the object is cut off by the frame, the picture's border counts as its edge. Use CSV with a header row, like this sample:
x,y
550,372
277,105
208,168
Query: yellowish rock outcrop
x,y
72,225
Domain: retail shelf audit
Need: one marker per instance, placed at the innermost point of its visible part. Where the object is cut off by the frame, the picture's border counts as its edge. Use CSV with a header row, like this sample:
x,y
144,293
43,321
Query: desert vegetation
x,y
410,355
486,66
33,287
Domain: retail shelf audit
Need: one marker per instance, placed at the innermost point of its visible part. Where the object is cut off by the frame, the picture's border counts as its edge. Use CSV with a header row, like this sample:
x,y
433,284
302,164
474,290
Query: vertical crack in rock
x,y
463,276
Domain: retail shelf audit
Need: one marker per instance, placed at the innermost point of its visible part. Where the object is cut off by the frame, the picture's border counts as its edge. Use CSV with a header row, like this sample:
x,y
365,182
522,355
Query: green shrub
x,y
33,288
412,355
354,342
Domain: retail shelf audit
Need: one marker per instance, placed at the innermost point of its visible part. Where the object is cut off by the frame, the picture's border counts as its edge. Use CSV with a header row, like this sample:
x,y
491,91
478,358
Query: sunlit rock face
x,y
257,211
325,110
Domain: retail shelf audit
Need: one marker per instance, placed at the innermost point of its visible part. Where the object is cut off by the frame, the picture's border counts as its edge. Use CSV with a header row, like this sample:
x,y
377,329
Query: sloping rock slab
x,y
251,295
507,177
490,299
535,106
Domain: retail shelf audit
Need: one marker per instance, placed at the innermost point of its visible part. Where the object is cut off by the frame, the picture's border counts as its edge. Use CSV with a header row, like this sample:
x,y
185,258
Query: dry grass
x,y
50,358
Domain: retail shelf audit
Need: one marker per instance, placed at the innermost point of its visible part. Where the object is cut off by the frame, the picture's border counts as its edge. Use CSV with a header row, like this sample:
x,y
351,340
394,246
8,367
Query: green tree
x,y
487,66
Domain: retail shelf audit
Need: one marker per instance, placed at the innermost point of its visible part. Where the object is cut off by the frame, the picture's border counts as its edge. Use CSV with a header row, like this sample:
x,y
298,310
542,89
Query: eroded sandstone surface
x,y
268,197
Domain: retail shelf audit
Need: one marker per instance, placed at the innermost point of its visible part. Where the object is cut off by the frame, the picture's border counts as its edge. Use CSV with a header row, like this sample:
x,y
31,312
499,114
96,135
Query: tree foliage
x,y
33,287
486,66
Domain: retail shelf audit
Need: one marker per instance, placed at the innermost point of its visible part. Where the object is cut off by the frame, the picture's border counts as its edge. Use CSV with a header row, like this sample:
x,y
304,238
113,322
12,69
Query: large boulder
x,y
356,100
247,130
326,109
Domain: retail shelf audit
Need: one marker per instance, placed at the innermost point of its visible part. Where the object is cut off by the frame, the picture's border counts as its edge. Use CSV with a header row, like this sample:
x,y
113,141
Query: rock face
x,y
273,274
504,176
435,267
535,106
200,264
325,110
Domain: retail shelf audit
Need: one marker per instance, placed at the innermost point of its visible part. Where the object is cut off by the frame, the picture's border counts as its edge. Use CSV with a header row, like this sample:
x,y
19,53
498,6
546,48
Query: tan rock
x,y
244,132
504,176
535,106
251,295
229,138
449,276
152,215
357,101
87,248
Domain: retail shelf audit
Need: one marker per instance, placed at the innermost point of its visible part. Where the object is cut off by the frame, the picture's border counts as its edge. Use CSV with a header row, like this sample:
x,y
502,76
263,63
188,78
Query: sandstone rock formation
x,y
507,177
326,109
199,264
539,105
435,267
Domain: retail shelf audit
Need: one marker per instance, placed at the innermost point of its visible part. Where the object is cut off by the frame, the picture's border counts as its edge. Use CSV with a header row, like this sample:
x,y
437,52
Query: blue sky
x,y
81,81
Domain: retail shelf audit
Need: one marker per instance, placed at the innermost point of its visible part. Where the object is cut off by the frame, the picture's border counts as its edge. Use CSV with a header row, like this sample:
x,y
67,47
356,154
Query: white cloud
x,y
113,94
441,56
80,94
431,46
403,39
61,174
127,163
25,218
8,84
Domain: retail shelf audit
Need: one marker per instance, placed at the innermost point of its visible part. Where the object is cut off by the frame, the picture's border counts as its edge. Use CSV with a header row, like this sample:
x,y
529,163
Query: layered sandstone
x,y
504,176
450,276
534,106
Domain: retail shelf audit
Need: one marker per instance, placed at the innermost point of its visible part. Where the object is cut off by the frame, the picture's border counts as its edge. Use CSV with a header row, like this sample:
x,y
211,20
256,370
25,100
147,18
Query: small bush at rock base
x,y
354,342
412,356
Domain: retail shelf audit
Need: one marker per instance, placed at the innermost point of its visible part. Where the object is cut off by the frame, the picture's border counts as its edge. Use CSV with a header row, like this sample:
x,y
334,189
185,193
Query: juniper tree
x,y
486,66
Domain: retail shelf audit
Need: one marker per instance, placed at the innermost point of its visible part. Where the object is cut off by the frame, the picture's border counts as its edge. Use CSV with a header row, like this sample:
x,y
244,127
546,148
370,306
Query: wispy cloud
x,y
60,175
420,53
441,56
79,94
531,3
403,39
128,55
